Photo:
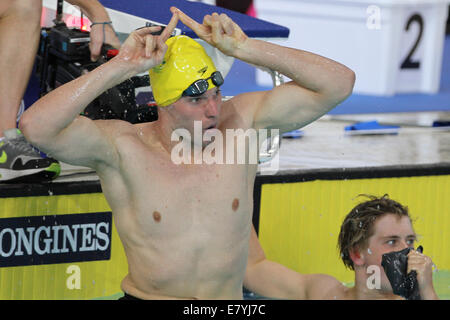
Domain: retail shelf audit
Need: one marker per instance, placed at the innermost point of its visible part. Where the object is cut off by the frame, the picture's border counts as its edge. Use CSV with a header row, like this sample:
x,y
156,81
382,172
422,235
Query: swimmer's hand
x,y
423,265
217,30
142,50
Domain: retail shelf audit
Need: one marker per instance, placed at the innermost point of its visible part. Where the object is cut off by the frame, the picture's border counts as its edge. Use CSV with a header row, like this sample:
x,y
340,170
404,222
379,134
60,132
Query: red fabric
x,y
251,11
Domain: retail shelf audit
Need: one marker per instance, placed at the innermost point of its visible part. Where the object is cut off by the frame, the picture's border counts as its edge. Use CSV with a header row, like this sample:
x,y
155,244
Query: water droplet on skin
x,y
369,251
434,268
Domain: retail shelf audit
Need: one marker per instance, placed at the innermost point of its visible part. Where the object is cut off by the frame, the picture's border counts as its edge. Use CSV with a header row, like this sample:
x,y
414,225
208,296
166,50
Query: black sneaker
x,y
20,162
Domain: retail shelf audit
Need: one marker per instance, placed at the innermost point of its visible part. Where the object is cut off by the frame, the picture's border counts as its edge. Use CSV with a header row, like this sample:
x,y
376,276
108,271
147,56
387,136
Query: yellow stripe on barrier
x,y
299,226
50,281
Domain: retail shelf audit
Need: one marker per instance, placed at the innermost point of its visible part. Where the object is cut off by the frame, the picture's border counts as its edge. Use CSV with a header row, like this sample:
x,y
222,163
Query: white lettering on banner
x,y
26,241
87,243
13,242
102,236
50,239
55,240
36,240
45,239
73,238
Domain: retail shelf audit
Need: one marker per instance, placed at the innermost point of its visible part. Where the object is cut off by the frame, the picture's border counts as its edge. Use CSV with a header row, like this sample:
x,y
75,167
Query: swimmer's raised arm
x,y
318,85
50,124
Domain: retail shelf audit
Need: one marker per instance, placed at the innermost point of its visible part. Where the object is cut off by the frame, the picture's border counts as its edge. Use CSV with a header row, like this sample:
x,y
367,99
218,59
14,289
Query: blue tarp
x,y
159,11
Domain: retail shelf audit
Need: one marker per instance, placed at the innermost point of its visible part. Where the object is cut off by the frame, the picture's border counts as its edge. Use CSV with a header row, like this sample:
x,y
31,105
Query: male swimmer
x,y
185,228
371,229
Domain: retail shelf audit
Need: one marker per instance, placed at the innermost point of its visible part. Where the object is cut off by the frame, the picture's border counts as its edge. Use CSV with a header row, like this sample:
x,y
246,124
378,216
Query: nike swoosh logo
x,y
4,157
29,163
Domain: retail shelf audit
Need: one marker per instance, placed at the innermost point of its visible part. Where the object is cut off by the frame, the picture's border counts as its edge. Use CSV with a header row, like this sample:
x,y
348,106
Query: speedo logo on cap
x,y
203,70
159,67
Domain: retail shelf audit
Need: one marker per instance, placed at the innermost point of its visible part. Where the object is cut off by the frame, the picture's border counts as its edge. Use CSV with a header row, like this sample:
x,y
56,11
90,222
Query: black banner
x,y
54,239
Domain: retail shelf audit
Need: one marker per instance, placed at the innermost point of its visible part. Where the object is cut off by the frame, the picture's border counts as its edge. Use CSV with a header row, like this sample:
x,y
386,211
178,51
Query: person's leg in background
x,y
19,40
448,22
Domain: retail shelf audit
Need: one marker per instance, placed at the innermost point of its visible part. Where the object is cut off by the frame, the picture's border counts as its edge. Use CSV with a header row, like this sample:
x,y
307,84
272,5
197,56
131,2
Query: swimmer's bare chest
x,y
182,224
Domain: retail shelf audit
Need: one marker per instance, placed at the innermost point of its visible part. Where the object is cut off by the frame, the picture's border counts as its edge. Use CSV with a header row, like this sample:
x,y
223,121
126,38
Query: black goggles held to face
x,y
200,86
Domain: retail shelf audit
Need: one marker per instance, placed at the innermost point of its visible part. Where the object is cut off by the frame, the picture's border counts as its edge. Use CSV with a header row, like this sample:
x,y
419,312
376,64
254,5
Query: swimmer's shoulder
x,y
325,287
116,128
122,133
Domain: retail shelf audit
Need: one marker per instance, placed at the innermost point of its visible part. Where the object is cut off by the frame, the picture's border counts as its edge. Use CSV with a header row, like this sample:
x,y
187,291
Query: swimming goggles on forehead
x,y
200,86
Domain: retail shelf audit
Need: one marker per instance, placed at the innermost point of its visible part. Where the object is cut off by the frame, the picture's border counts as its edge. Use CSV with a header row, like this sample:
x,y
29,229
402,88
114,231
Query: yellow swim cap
x,y
184,62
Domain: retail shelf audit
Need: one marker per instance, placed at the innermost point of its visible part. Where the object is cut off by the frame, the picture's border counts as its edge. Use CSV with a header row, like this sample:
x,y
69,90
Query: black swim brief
x,y
128,297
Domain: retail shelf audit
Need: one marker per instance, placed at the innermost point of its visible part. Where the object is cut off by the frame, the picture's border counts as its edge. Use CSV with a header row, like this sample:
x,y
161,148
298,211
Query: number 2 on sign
x,y
408,63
